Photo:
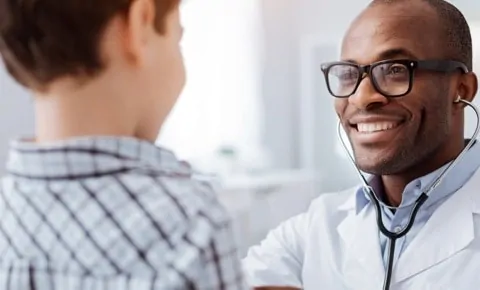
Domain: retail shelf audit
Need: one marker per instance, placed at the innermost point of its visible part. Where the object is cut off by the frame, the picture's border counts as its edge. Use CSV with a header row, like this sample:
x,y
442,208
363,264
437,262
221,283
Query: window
x,y
220,104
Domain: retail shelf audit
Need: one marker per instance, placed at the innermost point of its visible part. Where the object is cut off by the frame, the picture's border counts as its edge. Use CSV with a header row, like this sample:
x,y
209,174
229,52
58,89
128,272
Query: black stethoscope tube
x,y
393,236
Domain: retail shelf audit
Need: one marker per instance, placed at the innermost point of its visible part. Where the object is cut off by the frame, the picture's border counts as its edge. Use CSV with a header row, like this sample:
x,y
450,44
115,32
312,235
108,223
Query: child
x,y
91,202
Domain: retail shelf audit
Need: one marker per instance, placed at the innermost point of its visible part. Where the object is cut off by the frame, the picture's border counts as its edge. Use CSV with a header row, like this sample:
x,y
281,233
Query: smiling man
x,y
400,90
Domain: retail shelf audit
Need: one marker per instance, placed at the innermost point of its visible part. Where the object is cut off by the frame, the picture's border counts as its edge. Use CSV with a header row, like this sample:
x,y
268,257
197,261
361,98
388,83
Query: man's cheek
x,y
340,106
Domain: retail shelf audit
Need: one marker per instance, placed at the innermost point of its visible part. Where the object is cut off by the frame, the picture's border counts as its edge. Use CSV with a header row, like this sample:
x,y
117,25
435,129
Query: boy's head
x,y
128,48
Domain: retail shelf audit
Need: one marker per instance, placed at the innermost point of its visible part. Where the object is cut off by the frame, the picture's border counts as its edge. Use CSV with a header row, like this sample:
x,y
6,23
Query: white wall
x,y
471,119
16,113
286,23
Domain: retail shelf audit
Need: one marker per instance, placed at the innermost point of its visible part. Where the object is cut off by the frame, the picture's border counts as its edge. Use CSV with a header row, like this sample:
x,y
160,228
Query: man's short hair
x,y
456,32
44,40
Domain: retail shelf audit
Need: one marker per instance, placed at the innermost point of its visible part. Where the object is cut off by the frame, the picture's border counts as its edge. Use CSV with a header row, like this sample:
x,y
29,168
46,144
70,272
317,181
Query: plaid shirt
x,y
110,213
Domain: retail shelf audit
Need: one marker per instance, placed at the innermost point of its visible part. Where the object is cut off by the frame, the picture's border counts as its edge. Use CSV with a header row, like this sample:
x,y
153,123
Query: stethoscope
x,y
393,236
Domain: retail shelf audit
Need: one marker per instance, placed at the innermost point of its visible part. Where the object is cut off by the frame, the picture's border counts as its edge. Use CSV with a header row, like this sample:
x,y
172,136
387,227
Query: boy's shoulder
x,y
166,216
168,196
125,203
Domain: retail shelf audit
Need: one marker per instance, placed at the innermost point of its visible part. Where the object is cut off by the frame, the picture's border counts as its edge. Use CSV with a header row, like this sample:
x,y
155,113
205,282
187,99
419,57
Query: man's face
x,y
390,135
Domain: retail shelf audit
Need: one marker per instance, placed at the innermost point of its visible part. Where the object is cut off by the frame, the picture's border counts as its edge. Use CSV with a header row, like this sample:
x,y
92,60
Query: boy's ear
x,y
139,28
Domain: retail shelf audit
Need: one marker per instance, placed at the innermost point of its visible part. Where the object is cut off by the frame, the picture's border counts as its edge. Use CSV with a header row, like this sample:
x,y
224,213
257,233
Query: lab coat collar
x,y
351,202
452,225
363,256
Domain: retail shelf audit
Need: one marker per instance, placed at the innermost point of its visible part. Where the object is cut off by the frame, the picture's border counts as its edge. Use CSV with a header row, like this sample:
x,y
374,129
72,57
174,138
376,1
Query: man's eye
x,y
396,69
347,75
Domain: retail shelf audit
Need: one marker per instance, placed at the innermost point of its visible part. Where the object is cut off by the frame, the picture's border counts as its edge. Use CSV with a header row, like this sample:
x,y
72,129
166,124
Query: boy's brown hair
x,y
43,40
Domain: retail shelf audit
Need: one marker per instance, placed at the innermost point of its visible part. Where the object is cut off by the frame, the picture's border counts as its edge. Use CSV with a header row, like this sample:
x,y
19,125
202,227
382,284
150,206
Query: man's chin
x,y
376,164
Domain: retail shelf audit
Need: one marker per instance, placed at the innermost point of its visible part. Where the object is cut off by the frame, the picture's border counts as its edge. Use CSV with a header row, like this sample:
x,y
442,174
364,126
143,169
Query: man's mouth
x,y
375,131
373,127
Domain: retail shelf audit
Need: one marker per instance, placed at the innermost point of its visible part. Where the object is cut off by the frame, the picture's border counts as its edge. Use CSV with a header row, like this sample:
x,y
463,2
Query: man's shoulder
x,y
329,209
333,201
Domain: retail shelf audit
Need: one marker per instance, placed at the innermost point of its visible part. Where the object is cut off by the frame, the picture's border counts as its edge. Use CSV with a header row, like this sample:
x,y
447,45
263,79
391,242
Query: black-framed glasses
x,y
391,78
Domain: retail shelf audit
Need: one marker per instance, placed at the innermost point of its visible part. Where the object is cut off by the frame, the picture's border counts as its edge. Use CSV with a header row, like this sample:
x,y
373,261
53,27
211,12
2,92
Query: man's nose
x,y
366,96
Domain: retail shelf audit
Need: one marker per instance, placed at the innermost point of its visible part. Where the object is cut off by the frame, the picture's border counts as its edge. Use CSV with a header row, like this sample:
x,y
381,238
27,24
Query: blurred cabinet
x,y
260,203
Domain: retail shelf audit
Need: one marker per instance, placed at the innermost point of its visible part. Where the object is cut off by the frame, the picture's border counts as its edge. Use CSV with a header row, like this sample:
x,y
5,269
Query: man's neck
x,y
394,185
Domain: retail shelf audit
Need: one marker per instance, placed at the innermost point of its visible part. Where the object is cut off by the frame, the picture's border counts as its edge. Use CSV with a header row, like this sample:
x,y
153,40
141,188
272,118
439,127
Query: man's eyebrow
x,y
395,53
391,53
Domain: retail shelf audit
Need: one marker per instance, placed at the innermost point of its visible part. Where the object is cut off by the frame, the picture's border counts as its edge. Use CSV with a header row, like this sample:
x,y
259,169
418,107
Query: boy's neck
x,y
90,110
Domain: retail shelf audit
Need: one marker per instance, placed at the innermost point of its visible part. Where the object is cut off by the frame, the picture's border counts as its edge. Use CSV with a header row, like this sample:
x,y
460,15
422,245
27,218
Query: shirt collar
x,y
90,157
455,179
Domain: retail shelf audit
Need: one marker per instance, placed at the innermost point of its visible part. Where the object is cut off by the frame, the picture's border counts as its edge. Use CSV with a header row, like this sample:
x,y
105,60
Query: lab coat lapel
x,y
448,231
363,260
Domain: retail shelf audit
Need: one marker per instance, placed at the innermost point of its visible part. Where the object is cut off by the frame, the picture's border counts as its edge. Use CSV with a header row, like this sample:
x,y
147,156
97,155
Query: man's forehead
x,y
383,28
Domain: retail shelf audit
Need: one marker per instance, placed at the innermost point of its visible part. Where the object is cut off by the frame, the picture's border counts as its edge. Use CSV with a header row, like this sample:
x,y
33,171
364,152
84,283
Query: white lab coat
x,y
330,247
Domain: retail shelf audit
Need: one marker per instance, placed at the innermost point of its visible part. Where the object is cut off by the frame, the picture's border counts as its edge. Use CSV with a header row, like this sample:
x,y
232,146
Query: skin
x,y
431,133
132,96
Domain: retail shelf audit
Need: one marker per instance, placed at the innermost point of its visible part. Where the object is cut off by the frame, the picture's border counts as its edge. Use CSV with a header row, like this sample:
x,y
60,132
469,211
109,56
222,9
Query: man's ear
x,y
468,86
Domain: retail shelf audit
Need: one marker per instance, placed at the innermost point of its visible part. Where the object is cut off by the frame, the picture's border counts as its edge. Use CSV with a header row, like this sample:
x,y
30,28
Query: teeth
x,y
375,127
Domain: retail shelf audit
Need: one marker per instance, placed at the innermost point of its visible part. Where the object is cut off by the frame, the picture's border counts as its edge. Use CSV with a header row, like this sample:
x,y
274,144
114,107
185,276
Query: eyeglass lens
x,y
391,79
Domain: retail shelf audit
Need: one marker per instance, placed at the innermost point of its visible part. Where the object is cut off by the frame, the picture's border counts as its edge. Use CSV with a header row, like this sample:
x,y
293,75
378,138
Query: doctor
x,y
406,125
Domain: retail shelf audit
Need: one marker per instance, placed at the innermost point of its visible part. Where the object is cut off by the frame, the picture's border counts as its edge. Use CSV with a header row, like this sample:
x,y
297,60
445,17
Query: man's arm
x,y
276,264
